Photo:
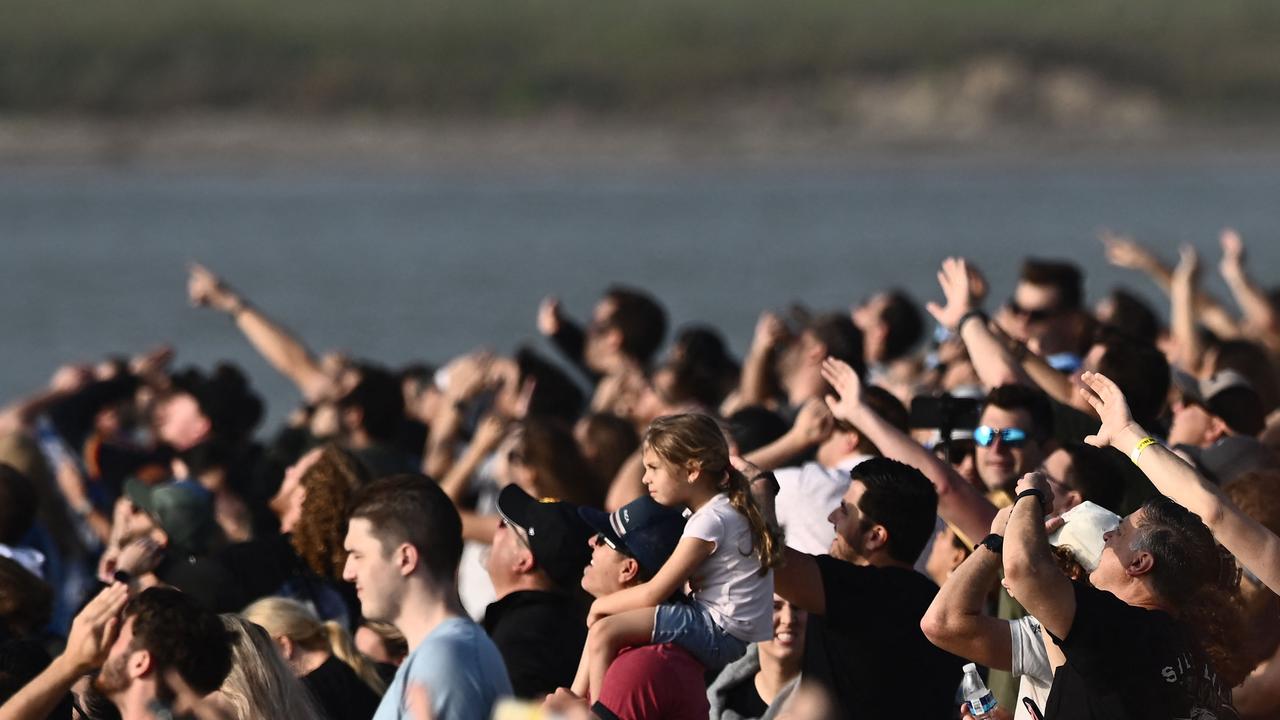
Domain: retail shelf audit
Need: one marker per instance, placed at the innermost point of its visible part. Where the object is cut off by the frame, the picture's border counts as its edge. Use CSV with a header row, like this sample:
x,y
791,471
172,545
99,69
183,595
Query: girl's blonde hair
x,y
695,442
291,619
260,685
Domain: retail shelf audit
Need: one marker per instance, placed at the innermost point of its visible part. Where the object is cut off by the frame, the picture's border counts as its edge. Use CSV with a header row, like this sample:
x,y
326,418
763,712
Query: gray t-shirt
x,y
1030,664
461,669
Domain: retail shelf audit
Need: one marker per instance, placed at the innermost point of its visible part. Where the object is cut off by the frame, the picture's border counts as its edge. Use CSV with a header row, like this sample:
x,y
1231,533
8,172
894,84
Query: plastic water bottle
x,y
981,702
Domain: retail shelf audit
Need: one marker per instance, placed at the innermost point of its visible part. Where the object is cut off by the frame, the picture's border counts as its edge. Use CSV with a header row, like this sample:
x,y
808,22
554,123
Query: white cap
x,y
970,667
1082,534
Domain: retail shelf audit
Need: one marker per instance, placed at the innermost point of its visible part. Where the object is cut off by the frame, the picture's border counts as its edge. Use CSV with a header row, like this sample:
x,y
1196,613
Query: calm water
x,y
399,266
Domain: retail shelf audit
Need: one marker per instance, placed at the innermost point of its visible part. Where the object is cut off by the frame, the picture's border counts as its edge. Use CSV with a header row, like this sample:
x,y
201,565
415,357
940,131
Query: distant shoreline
x,y
245,140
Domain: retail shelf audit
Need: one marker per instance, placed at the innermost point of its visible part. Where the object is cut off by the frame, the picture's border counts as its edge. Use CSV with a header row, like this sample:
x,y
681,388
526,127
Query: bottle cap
x,y
971,667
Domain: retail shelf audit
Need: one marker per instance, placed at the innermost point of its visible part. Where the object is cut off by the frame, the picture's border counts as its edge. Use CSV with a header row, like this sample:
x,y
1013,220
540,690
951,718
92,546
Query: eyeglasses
x,y
518,532
985,435
1032,314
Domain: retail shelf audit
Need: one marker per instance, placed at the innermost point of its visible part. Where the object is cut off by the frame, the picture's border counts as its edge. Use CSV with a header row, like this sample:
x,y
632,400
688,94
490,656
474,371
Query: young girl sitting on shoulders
x,y
724,556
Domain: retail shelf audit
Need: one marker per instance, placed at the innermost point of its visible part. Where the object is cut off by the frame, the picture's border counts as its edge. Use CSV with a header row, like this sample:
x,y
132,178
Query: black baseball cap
x,y
643,529
557,535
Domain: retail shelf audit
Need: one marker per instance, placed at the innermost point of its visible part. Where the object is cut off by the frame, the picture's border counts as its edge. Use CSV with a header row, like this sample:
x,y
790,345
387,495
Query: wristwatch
x,y
992,542
1038,494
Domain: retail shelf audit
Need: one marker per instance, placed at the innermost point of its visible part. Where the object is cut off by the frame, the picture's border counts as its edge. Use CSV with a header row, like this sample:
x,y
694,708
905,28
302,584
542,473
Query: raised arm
x,y
278,346
1182,313
959,503
754,388
1257,548
1259,315
991,358
1125,252
1032,576
955,620
813,425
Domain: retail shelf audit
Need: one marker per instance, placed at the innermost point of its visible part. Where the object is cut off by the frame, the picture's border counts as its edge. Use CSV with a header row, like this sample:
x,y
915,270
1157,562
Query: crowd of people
x,y
1081,501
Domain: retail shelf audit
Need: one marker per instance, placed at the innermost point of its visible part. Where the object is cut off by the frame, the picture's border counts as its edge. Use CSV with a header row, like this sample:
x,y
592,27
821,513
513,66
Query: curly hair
x,y
329,484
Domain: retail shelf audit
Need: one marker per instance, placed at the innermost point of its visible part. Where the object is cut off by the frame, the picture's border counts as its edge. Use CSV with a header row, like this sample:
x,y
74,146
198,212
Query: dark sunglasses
x,y
1031,314
600,540
985,435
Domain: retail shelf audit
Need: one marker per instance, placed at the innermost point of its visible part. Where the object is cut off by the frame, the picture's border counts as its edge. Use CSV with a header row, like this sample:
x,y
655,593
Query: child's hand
x,y
594,614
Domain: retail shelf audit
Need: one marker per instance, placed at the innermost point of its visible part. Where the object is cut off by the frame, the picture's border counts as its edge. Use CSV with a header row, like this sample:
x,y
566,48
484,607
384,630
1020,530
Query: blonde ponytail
x,y
291,619
342,646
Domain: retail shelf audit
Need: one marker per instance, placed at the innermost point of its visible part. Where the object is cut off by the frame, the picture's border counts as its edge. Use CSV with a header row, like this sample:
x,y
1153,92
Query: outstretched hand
x,y
1123,251
956,282
1188,267
848,386
206,289
1232,265
1110,404
549,316
94,630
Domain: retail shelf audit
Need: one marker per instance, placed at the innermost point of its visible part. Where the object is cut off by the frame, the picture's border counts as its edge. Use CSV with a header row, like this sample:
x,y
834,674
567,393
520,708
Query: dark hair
x,y
609,440
26,601
1133,318
641,320
21,660
1141,372
380,400
330,483
1063,276
554,393
225,398
1012,396
181,635
412,509
755,426
1252,361
18,504
699,352
905,324
901,498
1096,474
887,406
842,339
1199,579
1240,408
548,448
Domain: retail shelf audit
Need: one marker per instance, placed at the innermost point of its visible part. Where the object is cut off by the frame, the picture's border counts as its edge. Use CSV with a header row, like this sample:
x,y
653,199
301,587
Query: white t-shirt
x,y
728,583
1030,665
806,497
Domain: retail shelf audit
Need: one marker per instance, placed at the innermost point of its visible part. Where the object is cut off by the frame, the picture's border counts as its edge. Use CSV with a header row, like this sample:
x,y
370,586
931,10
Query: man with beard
x,y
143,646
864,643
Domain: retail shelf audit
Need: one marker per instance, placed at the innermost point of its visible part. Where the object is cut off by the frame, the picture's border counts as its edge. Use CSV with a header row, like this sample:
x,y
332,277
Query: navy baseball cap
x,y
557,535
643,529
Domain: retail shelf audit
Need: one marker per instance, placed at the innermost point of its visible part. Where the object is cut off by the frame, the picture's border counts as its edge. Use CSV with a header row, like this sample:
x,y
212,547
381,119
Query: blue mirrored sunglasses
x,y
985,435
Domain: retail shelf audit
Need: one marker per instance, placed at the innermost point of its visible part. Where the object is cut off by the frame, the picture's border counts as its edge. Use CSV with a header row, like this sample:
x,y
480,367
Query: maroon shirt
x,y
649,682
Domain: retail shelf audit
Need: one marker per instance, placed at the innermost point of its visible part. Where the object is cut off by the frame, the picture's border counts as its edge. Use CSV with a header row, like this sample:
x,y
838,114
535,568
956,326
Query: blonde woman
x,y
322,655
260,685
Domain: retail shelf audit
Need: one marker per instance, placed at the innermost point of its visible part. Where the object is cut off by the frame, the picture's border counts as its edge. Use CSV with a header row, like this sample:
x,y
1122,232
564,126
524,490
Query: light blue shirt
x,y
461,669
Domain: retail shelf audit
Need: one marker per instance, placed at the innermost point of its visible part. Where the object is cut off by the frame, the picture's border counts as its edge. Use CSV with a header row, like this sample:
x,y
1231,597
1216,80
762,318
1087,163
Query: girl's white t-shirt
x,y
728,583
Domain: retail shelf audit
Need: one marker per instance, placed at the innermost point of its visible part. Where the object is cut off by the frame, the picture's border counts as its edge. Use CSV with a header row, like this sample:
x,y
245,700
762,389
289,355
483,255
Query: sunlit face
x,y
1001,464
1040,305
114,677
849,544
667,483
944,557
607,571
1058,467
1192,424
789,624
1117,554
597,349
287,503
506,551
180,423
378,579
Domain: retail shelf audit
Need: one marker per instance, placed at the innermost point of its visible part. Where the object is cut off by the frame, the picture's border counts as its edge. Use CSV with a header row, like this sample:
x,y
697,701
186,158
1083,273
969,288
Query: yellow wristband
x,y
1143,444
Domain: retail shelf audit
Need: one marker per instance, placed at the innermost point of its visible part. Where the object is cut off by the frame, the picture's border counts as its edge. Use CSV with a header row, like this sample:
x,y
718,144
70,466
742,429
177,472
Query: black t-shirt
x,y
341,693
868,650
1129,662
540,635
745,700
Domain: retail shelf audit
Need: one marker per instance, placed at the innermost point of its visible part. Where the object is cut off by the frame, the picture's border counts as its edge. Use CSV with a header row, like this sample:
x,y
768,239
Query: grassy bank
x,y
511,58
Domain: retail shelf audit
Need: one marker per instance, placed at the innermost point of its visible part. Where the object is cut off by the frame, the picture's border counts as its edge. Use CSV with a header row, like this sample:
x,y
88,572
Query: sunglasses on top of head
x,y
985,435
